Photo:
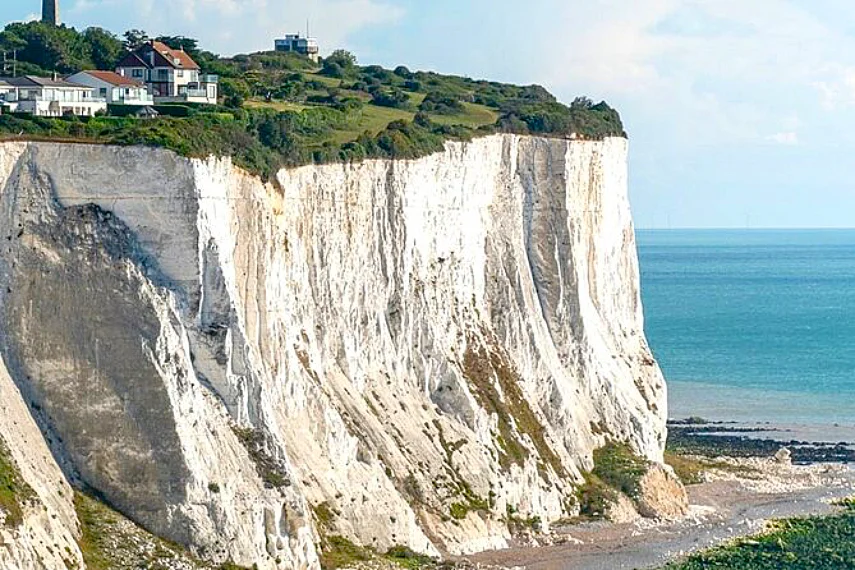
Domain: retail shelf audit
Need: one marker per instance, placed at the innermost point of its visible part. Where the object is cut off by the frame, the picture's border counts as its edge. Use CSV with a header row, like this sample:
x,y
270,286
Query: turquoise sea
x,y
753,325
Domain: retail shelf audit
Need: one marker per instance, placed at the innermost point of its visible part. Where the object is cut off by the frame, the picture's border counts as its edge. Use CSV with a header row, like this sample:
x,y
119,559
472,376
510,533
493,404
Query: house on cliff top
x,y
49,97
170,74
115,88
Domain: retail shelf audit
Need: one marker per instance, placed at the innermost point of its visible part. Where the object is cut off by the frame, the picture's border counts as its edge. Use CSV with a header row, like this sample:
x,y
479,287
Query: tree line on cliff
x,y
281,109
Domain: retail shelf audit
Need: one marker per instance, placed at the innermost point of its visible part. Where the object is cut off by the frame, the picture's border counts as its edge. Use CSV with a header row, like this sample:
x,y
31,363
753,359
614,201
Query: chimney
x,y
50,12
55,76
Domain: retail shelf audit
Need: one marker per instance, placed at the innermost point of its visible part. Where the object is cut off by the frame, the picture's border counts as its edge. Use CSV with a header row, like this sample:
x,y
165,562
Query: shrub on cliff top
x,y
441,103
583,118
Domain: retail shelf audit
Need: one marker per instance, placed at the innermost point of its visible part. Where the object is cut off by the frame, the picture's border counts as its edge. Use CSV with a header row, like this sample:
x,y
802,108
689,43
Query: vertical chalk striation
x,y
397,352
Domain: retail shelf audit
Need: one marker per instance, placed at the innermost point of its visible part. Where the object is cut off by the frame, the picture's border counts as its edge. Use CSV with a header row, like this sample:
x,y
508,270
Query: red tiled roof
x,y
114,78
164,56
131,59
184,60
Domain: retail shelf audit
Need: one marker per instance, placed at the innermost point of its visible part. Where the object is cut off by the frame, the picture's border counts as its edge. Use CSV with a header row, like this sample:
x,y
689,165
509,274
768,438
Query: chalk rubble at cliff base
x,y
395,352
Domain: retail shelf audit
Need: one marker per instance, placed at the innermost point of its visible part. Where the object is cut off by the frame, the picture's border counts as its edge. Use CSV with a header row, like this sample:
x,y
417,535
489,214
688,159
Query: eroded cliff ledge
x,y
392,351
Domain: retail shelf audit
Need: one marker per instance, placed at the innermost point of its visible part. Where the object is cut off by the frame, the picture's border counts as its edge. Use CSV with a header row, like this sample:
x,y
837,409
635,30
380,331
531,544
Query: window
x,y
137,73
180,73
103,92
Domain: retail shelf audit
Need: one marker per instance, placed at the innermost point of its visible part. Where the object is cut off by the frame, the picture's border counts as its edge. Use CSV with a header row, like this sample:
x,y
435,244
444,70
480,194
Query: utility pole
x,y
10,64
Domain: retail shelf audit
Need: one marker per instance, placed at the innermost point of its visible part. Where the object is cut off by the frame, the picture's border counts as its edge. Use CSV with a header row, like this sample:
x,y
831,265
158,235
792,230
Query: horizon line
x,y
738,228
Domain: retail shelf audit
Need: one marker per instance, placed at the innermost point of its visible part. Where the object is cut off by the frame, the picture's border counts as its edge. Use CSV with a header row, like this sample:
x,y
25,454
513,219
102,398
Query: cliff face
x,y
395,352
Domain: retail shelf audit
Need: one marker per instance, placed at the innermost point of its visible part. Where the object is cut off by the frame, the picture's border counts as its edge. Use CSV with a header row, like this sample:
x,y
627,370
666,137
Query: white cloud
x,y
239,26
789,138
88,5
710,70
194,8
837,88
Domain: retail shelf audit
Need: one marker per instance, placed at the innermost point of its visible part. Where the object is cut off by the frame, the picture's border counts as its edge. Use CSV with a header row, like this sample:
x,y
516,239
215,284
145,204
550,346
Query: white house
x,y
46,97
116,89
171,75
6,89
296,43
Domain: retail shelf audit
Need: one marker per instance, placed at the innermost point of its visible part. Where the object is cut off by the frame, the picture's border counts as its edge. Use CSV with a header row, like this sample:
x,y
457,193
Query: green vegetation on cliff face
x,y
14,492
339,552
617,469
617,465
810,543
481,365
109,541
280,109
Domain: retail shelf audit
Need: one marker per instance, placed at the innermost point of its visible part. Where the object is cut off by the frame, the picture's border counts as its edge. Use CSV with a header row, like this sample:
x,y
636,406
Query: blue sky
x,y
740,113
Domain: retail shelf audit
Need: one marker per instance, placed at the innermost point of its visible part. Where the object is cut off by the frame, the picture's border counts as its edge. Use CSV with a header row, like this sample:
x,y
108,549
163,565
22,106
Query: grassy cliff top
x,y
281,109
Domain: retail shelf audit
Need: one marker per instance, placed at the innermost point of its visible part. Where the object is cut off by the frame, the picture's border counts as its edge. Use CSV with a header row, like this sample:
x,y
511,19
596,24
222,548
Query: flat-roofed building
x,y
298,44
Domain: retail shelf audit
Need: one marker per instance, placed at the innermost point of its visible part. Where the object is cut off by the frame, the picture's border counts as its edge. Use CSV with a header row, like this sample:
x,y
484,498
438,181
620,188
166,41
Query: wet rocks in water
x,y
722,439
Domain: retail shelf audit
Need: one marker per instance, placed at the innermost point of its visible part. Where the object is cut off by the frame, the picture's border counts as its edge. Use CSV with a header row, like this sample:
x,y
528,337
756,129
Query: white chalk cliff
x,y
392,351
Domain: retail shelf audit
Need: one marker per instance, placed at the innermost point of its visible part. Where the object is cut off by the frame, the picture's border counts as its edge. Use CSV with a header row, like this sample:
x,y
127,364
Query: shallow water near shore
x,y
753,325
752,405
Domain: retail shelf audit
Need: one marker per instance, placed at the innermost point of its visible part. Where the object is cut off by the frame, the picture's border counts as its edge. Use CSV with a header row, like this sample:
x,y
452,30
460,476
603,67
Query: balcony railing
x,y
194,93
12,98
144,98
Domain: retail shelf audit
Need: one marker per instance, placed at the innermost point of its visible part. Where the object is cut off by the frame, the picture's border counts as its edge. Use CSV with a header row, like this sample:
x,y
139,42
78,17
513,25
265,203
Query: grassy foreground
x,y
807,543
803,543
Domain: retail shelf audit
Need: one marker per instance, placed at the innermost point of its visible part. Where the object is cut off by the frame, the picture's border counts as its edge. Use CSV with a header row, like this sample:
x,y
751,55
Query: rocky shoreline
x,y
715,439
743,487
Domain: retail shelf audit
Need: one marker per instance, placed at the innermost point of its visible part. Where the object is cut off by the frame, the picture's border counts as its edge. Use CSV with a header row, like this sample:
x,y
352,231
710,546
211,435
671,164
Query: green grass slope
x,y
283,110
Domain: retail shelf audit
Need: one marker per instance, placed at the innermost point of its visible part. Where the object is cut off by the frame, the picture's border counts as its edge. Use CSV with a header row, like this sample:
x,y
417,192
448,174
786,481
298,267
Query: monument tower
x,y
50,12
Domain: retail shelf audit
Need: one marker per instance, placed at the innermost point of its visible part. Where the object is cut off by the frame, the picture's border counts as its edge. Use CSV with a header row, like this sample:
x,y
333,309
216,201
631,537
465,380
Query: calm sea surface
x,y
753,325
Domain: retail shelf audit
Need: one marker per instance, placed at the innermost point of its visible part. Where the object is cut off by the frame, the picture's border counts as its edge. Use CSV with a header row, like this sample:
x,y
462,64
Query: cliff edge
x,y
393,352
